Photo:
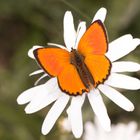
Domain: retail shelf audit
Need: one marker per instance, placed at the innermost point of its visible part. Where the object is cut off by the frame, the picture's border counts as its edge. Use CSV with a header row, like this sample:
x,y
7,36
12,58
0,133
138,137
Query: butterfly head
x,y
76,58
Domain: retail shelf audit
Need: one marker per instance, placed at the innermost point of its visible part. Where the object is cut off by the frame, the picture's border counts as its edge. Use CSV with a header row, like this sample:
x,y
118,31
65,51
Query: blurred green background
x,y
24,23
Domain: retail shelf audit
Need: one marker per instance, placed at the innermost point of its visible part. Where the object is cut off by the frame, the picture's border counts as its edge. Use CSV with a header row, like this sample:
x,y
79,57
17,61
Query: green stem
x,y
76,9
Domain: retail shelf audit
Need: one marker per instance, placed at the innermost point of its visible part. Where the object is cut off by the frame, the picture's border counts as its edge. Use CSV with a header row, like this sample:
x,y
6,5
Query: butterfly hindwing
x,y
99,66
70,81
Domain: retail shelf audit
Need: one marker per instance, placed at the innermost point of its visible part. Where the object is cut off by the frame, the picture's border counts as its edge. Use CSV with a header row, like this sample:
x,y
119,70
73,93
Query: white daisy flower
x,y
120,131
41,96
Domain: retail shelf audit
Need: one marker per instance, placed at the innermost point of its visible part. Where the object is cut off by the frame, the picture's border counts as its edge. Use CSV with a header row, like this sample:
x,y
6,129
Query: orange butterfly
x,y
80,70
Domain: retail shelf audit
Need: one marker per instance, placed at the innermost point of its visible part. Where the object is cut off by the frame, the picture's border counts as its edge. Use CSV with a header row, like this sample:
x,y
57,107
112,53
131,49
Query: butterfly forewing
x,y
94,40
93,46
52,60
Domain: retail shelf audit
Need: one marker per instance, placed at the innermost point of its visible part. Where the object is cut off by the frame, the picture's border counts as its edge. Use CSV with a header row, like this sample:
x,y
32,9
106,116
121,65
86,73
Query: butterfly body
x,y
77,60
83,68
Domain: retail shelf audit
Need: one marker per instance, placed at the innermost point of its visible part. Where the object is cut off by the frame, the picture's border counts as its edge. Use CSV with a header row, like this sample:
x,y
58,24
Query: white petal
x,y
125,66
100,15
75,115
43,99
121,47
57,45
36,72
99,108
136,136
80,31
30,52
90,131
69,30
123,81
131,128
54,113
101,133
65,124
39,79
119,132
117,97
31,93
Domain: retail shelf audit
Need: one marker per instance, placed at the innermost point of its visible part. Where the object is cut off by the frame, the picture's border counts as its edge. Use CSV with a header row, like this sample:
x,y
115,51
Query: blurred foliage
x,y
24,23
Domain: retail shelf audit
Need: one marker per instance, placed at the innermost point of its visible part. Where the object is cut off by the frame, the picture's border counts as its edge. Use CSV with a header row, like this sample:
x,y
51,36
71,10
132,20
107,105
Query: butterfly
x,y
80,70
